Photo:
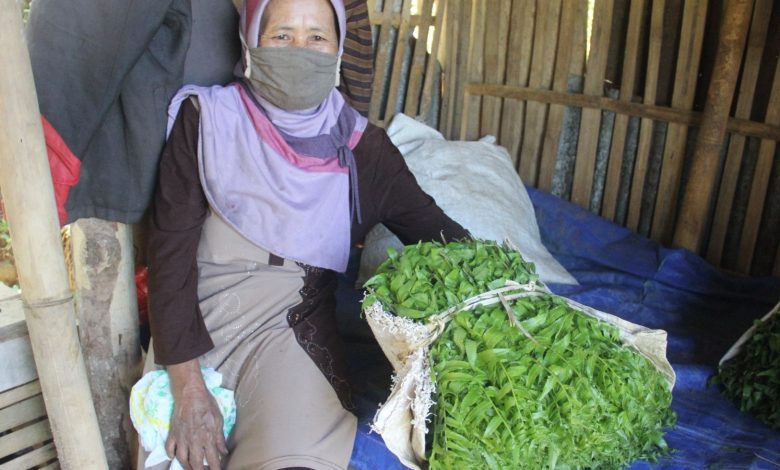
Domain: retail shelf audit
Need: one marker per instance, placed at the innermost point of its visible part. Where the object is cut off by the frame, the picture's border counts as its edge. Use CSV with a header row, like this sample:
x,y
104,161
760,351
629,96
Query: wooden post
x,y
32,217
699,191
108,315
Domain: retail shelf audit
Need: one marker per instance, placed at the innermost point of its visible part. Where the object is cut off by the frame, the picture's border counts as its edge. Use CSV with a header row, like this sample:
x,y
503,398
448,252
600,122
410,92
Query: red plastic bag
x,y
65,167
142,293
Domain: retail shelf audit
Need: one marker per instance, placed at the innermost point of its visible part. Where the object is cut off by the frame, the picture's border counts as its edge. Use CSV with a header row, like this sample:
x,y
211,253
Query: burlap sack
x,y
402,420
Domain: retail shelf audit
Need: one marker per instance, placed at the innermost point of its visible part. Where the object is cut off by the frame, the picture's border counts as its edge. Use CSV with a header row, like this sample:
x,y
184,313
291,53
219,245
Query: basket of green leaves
x,y
506,374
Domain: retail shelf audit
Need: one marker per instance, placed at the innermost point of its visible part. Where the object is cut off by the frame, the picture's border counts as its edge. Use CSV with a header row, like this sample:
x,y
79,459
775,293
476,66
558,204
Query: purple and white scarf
x,y
281,178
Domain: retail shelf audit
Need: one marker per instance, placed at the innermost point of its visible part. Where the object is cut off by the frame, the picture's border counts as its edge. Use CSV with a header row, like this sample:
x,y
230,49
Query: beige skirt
x,y
288,414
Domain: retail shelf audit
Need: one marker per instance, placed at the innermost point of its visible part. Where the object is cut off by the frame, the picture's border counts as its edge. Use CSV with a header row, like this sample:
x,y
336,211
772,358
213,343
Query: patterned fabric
x,y
151,408
316,329
357,62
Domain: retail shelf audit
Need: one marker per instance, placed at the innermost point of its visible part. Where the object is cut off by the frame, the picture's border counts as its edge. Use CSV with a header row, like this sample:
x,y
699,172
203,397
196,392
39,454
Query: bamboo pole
x,y
32,217
757,40
686,77
697,198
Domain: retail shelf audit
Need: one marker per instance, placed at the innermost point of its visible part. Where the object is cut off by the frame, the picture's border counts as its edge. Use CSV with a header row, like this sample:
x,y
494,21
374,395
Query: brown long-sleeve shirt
x,y
389,194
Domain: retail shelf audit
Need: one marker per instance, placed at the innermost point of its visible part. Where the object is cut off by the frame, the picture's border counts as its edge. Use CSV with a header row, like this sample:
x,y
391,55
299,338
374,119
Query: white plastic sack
x,y
477,186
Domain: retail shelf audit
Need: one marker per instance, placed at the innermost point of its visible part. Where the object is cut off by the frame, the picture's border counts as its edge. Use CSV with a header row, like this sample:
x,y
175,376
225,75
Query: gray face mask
x,y
292,78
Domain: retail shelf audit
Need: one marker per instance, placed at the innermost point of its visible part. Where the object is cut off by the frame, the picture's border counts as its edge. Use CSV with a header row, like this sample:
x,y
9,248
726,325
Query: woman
x,y
264,186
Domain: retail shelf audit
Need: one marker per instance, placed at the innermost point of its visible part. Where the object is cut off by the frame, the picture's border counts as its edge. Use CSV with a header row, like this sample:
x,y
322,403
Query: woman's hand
x,y
196,425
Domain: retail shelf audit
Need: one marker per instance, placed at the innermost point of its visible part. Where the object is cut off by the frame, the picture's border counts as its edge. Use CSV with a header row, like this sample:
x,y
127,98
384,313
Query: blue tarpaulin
x,y
703,310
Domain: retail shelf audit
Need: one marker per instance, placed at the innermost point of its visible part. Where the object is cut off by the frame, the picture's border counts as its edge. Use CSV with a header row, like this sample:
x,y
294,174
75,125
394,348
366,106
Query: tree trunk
x,y
108,317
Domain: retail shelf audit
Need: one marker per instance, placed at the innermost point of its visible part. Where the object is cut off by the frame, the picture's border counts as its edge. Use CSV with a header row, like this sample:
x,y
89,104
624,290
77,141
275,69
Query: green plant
x,y
525,383
752,377
5,241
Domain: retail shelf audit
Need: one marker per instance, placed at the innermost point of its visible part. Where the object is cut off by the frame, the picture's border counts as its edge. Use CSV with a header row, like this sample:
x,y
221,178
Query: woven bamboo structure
x,y
661,115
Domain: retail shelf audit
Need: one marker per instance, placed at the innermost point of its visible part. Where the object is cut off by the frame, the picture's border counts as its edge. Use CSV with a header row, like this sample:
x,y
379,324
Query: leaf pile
x,y
752,377
570,395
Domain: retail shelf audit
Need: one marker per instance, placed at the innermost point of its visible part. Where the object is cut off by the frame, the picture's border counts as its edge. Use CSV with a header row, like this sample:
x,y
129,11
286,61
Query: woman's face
x,y
300,23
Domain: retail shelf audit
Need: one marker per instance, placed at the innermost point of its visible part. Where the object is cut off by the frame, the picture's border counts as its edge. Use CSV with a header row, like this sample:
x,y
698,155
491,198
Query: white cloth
x,y
476,185
151,408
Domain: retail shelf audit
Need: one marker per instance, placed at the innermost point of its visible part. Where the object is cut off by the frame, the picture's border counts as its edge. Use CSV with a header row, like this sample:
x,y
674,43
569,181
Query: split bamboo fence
x,y
660,115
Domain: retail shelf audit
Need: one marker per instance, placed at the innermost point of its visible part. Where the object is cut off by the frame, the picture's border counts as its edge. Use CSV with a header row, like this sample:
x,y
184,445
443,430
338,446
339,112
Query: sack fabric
x,y
475,184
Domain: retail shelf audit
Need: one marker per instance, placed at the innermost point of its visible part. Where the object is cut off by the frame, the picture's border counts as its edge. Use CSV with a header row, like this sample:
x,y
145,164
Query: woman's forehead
x,y
317,13
254,10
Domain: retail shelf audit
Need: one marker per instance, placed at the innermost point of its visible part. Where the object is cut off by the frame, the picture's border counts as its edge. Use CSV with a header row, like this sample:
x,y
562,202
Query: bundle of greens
x,y
523,383
752,377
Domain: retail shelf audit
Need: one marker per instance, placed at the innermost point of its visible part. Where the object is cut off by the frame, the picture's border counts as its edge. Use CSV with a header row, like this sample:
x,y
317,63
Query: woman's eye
x,y
282,37
317,38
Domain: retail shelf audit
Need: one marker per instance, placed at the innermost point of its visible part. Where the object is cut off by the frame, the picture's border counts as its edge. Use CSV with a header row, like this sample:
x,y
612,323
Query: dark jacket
x,y
105,71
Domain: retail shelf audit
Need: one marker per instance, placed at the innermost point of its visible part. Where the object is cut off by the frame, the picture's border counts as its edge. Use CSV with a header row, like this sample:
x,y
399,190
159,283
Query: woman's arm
x,y
178,211
196,424
178,331
393,197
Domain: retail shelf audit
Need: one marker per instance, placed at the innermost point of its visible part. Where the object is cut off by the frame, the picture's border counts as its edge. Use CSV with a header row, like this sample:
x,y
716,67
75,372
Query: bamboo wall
x,y
605,114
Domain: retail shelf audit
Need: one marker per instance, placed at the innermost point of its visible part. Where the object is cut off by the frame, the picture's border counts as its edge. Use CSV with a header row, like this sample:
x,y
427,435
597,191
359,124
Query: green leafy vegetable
x,y
530,384
752,377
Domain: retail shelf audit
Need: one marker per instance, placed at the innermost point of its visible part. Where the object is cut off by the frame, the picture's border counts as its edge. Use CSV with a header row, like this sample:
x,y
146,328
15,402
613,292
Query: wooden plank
x,y
685,80
38,456
521,35
760,183
490,71
728,184
631,54
25,437
414,87
658,113
698,194
571,40
591,119
542,68
450,51
435,58
401,46
11,309
19,393
51,466
20,366
496,35
383,45
22,412
461,36
475,72
642,159
15,347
